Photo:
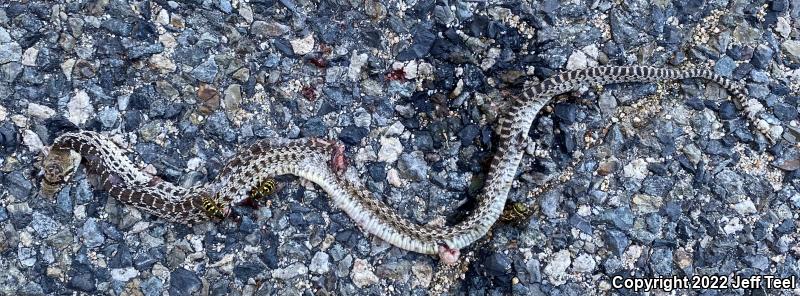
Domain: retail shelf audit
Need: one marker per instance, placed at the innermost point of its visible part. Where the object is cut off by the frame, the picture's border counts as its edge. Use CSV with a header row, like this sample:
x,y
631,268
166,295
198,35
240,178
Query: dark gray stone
x,y
219,126
497,264
90,234
413,166
728,111
152,286
18,185
352,135
183,282
82,278
657,185
621,218
206,71
785,112
617,242
249,269
118,26
725,66
661,262
43,225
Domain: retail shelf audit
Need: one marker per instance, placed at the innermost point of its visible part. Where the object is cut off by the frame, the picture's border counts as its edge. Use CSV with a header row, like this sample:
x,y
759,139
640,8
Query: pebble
x,y
413,166
265,29
390,149
303,46
745,207
352,135
497,264
584,263
291,271
725,66
792,48
79,108
82,278
108,117
40,111
9,140
320,263
152,286
10,52
645,204
183,282
785,112
636,169
616,241
18,185
206,71
662,262
762,56
124,274
90,234
44,226
233,97
362,274
357,62
556,269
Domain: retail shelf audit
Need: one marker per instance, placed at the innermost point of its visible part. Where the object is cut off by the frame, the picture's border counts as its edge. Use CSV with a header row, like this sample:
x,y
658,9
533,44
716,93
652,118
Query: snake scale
x,y
319,161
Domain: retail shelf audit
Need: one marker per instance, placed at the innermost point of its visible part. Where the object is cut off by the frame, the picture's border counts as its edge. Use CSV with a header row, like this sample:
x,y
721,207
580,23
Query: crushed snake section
x,y
322,163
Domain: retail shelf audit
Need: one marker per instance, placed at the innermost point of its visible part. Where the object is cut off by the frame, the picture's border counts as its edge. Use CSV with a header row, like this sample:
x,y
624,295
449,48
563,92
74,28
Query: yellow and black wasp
x,y
264,189
213,208
515,213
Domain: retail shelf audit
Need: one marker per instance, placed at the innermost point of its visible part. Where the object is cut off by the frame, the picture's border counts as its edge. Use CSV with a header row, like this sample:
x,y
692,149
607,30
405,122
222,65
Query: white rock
x,y
32,140
362,275
733,226
79,108
246,12
303,45
4,36
393,177
163,63
745,207
577,60
556,270
163,17
320,263
40,111
410,70
3,113
123,274
783,27
29,56
395,129
66,68
792,47
194,164
357,61
584,263
290,271
390,149
636,169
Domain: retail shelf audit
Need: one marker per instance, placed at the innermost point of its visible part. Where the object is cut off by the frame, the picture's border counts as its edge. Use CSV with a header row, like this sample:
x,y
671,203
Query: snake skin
x,y
310,159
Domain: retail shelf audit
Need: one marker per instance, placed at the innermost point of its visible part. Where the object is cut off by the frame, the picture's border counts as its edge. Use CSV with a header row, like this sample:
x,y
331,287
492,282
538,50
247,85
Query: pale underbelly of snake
x,y
316,160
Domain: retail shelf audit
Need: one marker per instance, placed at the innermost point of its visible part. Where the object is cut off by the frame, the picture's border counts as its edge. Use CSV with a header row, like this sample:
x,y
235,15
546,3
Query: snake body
x,y
311,159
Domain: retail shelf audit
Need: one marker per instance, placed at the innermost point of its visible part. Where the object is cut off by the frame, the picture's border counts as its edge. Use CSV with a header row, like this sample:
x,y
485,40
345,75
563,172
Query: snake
x,y
322,162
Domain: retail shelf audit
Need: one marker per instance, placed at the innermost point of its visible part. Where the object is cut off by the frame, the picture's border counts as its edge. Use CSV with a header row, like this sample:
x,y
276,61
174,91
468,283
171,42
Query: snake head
x,y
58,166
